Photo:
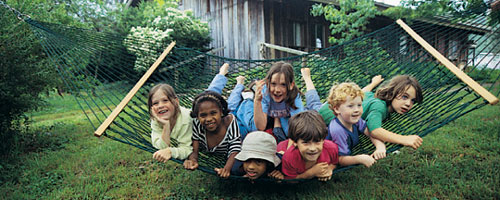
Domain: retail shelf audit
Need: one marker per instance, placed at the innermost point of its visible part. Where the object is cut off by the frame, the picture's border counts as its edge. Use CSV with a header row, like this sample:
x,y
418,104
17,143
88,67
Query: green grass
x,y
64,161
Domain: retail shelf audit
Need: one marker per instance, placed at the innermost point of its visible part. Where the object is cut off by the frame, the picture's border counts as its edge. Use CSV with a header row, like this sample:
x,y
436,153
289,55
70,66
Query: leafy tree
x,y
348,18
24,69
458,9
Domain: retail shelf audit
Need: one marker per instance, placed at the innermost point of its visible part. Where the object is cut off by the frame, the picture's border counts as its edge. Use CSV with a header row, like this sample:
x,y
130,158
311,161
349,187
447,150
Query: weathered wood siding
x,y
237,25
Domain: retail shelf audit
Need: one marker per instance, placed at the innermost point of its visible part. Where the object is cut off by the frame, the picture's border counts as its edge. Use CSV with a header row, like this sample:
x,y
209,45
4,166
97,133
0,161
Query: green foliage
x,y
25,72
348,19
160,25
414,9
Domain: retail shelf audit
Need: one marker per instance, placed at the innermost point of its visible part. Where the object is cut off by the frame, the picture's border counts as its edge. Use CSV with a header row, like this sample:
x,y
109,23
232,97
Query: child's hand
x,y
162,155
366,160
306,72
163,122
190,164
240,80
413,141
224,69
276,174
319,169
223,172
328,173
379,154
377,79
258,86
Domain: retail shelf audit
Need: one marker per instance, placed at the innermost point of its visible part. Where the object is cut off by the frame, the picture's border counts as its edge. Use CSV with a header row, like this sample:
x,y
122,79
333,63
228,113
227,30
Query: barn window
x,y
297,34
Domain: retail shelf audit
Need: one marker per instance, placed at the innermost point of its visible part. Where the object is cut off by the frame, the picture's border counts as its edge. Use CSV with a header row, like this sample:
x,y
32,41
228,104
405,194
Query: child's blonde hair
x,y
339,93
397,86
169,92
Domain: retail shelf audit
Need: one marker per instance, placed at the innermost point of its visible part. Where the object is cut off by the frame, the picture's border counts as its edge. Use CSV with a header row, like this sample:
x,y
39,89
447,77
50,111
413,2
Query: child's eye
x,y
155,102
202,115
404,97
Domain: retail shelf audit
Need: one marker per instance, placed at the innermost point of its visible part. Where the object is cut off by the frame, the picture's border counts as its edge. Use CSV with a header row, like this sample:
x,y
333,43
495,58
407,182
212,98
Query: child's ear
x,y
292,85
336,110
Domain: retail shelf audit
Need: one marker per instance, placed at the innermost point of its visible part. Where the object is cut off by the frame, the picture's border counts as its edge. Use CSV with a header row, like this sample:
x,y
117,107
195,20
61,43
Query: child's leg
x,y
234,99
312,98
220,80
278,131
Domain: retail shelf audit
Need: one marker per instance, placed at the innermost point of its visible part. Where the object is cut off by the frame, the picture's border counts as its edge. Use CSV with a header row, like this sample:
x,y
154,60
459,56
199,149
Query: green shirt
x,y
374,111
182,133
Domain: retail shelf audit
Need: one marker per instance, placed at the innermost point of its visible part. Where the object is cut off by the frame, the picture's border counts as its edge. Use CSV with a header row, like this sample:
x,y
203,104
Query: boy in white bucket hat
x,y
257,157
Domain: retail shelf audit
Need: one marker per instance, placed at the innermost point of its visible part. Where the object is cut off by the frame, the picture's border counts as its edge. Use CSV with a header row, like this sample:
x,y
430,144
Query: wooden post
x,y
492,99
132,92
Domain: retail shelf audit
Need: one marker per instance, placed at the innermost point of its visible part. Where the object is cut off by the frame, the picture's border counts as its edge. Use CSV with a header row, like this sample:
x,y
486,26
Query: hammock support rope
x,y
110,75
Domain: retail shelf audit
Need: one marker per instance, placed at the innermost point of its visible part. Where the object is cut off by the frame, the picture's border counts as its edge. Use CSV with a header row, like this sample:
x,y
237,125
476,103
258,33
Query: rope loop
x,y
19,15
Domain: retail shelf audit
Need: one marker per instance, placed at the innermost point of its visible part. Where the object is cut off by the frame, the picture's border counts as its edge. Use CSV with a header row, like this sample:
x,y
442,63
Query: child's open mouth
x,y
210,125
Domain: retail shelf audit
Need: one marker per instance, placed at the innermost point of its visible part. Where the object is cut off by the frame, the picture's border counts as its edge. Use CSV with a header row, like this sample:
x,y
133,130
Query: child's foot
x,y
249,91
240,80
224,69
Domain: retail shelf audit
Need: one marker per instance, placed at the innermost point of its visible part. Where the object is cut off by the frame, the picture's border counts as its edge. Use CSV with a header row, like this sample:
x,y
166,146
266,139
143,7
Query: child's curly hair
x,y
339,93
397,86
308,126
209,96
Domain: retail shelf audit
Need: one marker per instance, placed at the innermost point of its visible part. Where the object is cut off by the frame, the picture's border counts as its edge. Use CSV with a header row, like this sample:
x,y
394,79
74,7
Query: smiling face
x,y
161,106
278,87
310,150
254,168
210,115
403,103
350,111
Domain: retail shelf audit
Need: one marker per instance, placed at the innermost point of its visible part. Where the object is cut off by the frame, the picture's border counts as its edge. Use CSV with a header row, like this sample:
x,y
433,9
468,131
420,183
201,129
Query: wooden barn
x,y
242,27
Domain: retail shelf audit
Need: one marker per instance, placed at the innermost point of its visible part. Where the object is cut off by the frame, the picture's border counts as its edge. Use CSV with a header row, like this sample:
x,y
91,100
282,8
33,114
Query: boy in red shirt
x,y
309,155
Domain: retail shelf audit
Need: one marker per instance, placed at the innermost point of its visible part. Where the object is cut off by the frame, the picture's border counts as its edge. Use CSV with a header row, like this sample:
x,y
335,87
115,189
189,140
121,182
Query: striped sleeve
x,y
234,139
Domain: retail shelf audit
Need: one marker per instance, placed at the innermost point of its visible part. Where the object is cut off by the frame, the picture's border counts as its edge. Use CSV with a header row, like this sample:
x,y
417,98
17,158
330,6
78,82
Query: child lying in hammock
x,y
241,102
345,101
169,120
398,96
214,130
310,155
258,157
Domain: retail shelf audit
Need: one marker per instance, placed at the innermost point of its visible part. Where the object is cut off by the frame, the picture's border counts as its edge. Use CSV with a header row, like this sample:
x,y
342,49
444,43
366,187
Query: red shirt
x,y
293,164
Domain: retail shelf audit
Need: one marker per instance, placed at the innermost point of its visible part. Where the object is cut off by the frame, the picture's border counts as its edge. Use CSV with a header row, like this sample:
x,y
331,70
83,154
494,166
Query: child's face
x,y
254,168
277,87
162,107
209,115
404,101
350,111
310,150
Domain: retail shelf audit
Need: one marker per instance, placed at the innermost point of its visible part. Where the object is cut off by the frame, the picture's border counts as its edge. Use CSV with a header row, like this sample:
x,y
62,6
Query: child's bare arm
x,y
192,162
226,171
315,171
306,74
380,151
375,81
363,159
413,141
260,118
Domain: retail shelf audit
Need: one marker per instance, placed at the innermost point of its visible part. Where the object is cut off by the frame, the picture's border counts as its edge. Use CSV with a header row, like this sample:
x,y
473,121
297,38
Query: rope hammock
x,y
98,70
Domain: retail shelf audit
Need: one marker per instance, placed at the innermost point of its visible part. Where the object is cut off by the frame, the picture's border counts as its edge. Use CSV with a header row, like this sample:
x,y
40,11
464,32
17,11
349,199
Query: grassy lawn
x,y
458,161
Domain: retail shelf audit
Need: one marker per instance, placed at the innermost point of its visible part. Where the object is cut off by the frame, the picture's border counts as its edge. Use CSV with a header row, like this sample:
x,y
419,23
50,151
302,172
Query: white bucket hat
x,y
259,145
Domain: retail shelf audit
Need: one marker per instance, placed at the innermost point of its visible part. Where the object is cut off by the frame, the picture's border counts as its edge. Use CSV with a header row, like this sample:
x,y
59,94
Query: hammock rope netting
x,y
98,70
